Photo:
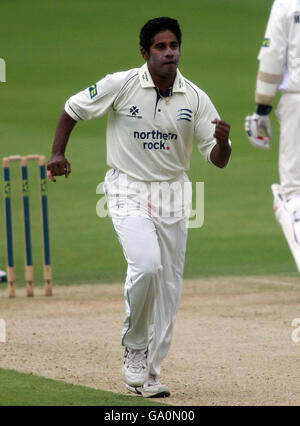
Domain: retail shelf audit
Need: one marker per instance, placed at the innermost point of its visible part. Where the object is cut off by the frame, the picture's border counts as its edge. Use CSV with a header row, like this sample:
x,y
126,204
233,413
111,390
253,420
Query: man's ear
x,y
145,54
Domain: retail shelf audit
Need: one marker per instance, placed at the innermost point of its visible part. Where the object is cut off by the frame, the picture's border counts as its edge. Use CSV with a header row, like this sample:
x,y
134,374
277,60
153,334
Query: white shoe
x,y
135,367
151,389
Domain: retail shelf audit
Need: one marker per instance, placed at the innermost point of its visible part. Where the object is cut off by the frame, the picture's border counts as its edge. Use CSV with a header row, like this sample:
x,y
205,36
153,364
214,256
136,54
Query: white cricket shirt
x,y
282,43
149,137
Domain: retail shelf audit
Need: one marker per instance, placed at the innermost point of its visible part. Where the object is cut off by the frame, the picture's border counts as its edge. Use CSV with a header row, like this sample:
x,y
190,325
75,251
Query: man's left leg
x,y
172,236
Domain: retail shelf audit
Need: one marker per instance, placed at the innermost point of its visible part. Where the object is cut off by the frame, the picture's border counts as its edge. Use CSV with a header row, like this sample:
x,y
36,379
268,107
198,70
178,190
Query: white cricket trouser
x,y
154,246
288,115
287,213
287,194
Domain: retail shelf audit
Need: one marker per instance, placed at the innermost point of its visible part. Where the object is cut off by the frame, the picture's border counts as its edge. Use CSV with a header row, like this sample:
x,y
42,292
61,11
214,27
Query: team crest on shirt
x,y
184,114
297,18
93,91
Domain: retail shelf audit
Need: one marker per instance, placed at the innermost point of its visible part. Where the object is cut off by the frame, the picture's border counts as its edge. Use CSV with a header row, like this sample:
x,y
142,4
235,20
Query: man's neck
x,y
162,83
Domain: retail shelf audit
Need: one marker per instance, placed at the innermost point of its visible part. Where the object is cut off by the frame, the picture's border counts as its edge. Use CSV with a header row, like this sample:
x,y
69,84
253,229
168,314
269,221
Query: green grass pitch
x,y
19,389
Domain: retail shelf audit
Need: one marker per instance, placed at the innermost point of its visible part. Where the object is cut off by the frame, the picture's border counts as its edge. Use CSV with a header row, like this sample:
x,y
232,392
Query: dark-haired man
x,y
154,115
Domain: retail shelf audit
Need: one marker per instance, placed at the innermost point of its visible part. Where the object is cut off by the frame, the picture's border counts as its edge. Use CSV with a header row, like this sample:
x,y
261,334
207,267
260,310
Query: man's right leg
x,y
137,235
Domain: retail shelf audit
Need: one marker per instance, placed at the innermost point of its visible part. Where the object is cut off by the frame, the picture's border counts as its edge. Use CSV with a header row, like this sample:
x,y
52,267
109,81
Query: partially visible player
x,y
279,69
154,116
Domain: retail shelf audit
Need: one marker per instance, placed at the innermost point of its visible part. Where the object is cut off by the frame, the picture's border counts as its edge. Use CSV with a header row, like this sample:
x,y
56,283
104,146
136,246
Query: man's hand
x,y
221,131
58,166
254,125
220,153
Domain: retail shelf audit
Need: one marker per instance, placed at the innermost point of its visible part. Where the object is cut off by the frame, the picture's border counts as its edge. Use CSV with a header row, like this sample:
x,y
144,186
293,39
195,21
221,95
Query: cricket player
x,y
279,69
154,116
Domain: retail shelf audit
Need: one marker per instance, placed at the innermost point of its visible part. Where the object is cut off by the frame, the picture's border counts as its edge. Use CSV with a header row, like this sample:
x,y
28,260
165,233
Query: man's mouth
x,y
170,62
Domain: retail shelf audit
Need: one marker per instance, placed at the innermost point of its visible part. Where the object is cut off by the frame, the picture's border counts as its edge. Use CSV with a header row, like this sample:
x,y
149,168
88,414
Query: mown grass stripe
x,y
20,389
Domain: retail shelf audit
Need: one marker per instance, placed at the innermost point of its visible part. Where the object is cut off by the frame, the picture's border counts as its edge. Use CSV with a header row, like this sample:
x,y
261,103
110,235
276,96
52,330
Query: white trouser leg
x,y
287,213
141,250
154,247
172,235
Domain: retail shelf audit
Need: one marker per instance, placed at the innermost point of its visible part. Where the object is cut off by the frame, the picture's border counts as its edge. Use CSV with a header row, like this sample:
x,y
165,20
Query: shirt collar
x,y
146,80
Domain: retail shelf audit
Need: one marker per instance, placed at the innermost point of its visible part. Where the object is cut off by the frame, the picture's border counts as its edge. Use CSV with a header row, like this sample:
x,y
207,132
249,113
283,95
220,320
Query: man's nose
x,y
169,52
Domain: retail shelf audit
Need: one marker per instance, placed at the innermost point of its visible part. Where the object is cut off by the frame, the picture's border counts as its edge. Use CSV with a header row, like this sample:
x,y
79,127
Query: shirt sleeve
x,y
204,129
95,101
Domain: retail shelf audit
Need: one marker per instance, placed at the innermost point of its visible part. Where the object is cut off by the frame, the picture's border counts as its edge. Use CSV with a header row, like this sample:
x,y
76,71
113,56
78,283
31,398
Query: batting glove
x,y
254,125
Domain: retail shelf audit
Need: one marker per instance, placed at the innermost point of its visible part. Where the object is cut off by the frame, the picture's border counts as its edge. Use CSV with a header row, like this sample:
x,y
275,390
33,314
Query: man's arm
x,y
221,152
58,165
271,57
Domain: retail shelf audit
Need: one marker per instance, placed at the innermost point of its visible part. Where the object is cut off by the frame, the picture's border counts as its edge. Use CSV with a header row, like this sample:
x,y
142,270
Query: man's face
x,y
164,54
